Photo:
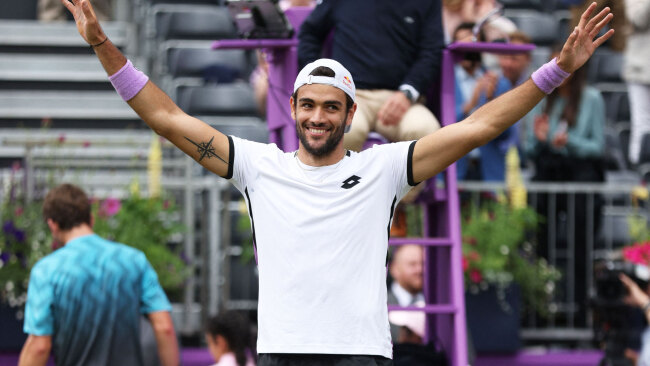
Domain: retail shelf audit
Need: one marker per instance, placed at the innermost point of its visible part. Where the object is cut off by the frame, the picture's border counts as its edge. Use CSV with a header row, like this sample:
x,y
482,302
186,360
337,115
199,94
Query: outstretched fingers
x,y
584,19
598,22
68,4
603,38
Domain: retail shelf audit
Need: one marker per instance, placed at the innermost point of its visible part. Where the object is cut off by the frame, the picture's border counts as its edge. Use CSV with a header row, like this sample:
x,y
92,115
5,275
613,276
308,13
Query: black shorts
x,y
294,359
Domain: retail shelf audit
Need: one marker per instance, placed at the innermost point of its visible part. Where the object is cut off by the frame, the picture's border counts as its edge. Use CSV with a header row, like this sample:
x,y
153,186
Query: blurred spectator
x,y
229,339
638,297
260,76
636,72
406,270
474,87
566,143
515,68
53,10
393,50
617,42
455,12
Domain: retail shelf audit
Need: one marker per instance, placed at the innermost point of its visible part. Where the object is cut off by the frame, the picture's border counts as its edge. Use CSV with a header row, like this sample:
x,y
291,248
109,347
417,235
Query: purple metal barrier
x,y
443,282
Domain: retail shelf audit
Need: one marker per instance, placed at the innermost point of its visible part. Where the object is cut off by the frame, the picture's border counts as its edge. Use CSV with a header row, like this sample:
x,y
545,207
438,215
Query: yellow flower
x,y
154,166
514,182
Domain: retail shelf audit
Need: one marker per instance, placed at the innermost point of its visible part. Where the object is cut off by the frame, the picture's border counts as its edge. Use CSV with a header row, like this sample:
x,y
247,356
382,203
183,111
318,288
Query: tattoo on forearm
x,y
206,150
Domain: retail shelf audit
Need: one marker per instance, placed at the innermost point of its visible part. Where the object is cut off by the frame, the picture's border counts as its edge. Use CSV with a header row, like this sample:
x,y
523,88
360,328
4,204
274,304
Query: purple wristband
x,y
128,81
549,76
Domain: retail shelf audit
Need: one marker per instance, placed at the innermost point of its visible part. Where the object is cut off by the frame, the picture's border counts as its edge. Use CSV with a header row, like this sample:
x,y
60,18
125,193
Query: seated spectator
x,y
394,55
455,12
474,87
515,68
566,144
228,339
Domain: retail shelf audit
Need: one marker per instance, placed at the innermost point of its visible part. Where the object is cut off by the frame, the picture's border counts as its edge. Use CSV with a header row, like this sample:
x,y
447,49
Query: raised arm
x,y
434,152
196,138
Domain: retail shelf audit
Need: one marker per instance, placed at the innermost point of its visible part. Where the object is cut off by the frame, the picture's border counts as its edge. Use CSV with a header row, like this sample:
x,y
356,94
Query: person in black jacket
x,y
393,51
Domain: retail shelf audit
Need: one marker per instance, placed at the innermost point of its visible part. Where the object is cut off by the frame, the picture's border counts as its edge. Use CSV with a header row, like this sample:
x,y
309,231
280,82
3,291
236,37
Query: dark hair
x,y
475,57
68,206
233,327
324,71
576,85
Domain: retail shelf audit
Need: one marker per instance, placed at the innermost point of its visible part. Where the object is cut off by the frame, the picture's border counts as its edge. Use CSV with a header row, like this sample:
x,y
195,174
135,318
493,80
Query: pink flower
x,y
61,138
46,122
110,207
86,144
476,276
465,264
15,166
18,211
638,253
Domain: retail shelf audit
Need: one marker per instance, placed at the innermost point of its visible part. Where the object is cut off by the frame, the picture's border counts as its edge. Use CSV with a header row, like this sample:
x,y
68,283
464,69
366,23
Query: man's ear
x,y
293,108
52,225
350,116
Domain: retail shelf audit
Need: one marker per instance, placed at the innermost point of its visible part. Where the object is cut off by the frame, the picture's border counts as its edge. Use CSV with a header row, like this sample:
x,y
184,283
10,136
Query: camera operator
x,y
638,297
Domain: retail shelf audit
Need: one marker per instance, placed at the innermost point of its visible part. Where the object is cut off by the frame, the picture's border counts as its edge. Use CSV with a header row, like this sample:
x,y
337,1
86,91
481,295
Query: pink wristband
x,y
549,76
128,81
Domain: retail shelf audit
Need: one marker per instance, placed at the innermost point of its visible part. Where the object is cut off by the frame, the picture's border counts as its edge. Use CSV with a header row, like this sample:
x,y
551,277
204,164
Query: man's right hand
x,y
87,23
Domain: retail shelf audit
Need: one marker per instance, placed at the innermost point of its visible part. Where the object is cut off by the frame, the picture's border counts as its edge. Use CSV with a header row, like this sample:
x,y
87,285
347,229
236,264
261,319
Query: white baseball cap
x,y
342,78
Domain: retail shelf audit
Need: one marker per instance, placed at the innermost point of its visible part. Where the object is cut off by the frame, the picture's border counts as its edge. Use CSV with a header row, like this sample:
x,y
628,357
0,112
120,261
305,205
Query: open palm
x,y
582,42
87,23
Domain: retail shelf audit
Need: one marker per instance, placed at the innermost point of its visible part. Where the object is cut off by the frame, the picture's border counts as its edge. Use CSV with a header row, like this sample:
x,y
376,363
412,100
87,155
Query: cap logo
x,y
347,82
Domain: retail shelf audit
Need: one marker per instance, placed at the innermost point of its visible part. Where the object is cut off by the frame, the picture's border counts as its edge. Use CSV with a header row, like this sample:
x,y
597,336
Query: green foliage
x,y
496,252
146,224
24,239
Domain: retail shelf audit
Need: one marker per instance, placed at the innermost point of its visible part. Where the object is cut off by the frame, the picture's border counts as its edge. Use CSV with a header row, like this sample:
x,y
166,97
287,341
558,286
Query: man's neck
x,y
311,160
76,232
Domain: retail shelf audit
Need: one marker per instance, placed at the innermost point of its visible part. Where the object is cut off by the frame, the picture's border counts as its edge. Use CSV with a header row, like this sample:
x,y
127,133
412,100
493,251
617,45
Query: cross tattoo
x,y
206,150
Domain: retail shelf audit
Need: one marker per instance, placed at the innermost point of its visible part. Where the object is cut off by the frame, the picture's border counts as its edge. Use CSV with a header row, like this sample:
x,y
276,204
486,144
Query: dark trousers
x,y
291,359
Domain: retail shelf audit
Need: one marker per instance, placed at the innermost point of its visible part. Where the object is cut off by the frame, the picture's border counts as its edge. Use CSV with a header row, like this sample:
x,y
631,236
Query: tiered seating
x,y
210,84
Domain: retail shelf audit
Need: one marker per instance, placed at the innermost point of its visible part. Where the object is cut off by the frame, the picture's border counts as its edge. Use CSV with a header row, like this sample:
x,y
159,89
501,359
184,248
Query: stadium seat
x,y
617,105
608,67
223,100
193,62
541,27
202,23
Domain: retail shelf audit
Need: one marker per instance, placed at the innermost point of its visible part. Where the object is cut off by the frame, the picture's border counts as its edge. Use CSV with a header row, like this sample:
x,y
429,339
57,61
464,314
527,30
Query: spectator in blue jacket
x,y
474,87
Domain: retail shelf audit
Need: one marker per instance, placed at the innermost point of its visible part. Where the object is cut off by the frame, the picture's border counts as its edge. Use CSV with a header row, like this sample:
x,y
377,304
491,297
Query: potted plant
x,y
501,268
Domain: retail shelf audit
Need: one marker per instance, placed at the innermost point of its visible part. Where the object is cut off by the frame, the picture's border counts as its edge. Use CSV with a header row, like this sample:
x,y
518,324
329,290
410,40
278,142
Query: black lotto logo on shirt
x,y
351,182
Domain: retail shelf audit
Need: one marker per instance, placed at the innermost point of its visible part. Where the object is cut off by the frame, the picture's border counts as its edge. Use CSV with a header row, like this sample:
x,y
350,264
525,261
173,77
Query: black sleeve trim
x,y
250,213
409,166
231,157
347,153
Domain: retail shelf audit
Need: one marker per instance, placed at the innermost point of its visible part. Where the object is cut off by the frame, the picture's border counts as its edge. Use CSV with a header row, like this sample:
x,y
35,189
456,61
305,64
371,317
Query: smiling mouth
x,y
317,131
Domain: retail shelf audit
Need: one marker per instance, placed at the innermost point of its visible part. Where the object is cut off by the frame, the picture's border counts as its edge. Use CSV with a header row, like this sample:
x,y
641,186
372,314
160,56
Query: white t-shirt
x,y
321,235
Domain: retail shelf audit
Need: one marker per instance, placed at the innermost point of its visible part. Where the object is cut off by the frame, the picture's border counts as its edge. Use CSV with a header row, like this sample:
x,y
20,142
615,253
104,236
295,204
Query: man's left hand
x,y
394,108
582,42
